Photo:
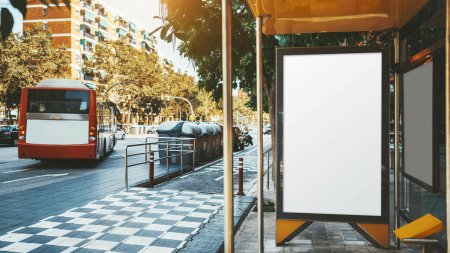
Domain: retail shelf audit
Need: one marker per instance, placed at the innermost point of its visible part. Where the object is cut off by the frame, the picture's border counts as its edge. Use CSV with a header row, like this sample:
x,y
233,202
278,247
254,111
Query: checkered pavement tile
x,y
139,220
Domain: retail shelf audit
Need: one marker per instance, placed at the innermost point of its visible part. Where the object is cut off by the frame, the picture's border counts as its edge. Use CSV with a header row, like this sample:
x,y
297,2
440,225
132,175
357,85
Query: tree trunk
x,y
10,119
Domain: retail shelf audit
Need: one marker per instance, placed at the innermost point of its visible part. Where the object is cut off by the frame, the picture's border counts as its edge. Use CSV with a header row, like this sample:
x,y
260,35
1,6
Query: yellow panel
x,y
378,232
420,228
307,16
285,228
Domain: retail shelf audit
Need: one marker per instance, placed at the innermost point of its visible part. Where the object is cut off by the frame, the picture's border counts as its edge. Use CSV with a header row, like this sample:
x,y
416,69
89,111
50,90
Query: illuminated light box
x,y
332,127
418,118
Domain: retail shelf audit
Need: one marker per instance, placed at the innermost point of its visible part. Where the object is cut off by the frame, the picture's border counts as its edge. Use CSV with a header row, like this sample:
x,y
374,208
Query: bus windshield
x,y
58,101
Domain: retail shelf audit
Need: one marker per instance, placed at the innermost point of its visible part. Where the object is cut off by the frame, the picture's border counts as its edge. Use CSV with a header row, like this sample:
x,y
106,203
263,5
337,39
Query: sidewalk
x,y
319,237
181,215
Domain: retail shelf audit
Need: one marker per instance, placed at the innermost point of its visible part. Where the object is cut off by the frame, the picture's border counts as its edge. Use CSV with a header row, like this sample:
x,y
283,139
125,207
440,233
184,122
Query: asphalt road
x,y
21,174
32,190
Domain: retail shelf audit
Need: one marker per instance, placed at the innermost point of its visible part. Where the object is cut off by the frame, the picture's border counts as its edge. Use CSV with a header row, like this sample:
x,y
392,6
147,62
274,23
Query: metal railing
x,y
268,163
170,147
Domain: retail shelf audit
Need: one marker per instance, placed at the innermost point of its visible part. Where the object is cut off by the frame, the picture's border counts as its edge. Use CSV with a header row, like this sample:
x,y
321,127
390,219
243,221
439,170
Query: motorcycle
x,y
248,139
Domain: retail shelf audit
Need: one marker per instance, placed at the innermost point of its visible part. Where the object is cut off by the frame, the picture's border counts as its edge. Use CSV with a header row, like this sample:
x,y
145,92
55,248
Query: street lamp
x,y
167,97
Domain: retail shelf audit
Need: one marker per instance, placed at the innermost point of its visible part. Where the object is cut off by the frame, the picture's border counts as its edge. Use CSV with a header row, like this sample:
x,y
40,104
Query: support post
x,y
397,138
168,161
181,158
447,112
126,168
151,170
193,156
259,94
227,127
268,171
241,177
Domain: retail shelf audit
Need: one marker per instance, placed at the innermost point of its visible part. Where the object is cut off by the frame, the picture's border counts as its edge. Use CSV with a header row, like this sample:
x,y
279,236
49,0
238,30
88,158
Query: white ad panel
x,y
332,134
418,123
57,132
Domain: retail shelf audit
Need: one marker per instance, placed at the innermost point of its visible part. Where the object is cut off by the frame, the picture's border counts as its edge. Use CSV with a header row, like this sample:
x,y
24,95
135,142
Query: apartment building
x,y
79,27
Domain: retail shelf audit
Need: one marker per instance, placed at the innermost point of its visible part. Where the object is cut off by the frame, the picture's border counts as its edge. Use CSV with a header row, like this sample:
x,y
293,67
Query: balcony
x,y
88,6
122,24
89,21
89,35
89,49
103,28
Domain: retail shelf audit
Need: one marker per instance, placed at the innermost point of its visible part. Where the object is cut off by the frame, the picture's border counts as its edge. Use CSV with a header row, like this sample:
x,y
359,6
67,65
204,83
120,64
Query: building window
x,y
46,26
45,11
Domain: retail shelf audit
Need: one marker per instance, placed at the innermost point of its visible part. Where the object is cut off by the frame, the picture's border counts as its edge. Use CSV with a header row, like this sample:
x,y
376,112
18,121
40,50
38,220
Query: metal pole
x,y
259,94
151,172
126,168
447,111
167,160
227,126
268,171
397,139
181,158
146,150
193,156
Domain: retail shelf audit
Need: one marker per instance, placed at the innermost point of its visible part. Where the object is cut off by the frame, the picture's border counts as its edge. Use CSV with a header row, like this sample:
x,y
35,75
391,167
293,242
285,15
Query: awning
x,y
311,16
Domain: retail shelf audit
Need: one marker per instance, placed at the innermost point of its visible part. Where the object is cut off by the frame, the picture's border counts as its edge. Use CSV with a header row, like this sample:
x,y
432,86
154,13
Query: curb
x,y
209,239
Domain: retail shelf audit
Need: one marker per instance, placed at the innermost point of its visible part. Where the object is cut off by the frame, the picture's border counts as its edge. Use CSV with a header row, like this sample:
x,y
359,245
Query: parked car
x,y
120,134
8,135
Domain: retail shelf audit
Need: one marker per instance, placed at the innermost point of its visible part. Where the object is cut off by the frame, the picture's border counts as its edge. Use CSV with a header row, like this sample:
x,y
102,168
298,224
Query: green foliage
x,y
26,60
197,24
145,78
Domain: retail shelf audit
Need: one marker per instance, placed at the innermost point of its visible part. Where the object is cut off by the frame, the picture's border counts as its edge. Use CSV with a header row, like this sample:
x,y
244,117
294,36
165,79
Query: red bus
x,y
62,119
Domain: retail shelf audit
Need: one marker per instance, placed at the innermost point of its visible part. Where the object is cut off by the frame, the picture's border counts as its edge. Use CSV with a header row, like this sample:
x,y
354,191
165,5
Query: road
x,y
32,190
17,175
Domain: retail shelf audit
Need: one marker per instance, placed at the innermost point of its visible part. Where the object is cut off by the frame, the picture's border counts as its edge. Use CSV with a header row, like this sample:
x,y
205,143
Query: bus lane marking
x,y
27,178
14,171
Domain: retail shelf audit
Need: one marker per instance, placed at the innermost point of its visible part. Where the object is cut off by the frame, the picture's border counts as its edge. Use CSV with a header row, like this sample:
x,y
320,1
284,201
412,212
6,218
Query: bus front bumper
x,y
38,151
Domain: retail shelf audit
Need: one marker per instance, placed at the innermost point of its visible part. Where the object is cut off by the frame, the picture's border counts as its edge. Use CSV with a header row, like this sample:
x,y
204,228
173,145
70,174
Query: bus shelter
x,y
421,73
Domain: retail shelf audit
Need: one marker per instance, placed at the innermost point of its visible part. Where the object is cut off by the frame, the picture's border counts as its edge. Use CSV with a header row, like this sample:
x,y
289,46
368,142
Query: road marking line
x,y
217,179
26,178
14,171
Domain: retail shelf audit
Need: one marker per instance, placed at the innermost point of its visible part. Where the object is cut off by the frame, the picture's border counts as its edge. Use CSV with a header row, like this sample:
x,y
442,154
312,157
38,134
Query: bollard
x,y
268,169
151,171
168,161
241,177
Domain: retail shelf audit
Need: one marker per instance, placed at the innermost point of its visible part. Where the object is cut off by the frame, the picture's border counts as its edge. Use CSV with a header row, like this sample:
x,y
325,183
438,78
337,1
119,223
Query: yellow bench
x,y
417,231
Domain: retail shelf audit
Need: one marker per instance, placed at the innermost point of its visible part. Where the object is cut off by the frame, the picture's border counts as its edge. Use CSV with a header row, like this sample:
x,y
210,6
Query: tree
x,y
139,72
143,79
241,107
26,60
196,24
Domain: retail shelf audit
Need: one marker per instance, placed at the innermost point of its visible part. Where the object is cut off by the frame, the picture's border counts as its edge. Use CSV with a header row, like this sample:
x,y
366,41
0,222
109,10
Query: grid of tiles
x,y
250,164
140,220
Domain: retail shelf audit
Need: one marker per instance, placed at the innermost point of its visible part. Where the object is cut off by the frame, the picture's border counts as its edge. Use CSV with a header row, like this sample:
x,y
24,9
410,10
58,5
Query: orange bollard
x,y
151,171
241,177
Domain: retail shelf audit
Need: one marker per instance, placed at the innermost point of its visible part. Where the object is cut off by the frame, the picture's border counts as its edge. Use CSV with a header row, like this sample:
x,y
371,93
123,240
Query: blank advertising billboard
x,y
418,123
331,161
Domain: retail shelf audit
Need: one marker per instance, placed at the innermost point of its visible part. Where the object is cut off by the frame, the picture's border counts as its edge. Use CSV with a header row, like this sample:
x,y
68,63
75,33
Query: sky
x,y
143,11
